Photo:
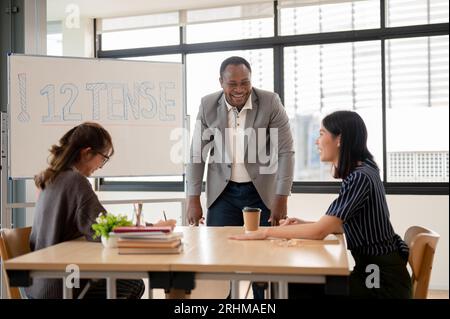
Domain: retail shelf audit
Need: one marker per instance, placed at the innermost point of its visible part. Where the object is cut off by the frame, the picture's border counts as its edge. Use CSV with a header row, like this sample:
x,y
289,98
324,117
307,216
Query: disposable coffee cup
x,y
251,218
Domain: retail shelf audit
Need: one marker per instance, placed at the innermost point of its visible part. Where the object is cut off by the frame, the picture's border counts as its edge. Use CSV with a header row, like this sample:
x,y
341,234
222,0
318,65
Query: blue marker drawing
x,y
164,102
149,111
95,88
112,102
49,90
73,90
132,100
23,115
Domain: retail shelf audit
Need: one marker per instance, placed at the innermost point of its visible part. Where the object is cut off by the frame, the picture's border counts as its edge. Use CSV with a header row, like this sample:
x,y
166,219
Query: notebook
x,y
153,236
143,229
125,243
150,251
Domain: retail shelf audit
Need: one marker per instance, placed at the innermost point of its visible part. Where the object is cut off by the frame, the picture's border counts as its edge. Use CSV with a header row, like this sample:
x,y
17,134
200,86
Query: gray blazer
x,y
270,176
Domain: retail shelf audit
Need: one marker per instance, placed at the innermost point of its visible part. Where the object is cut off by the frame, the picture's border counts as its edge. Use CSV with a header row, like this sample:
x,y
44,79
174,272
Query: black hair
x,y
234,60
353,144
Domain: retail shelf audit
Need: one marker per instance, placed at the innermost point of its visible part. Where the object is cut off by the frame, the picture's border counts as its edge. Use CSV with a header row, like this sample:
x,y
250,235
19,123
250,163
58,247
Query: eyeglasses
x,y
105,158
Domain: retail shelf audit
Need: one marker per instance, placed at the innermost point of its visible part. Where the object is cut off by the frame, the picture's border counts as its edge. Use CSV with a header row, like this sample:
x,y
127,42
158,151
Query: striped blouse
x,y
362,207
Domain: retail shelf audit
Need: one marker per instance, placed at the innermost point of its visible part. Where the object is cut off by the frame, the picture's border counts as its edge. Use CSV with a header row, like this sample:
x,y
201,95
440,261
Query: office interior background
x,y
388,60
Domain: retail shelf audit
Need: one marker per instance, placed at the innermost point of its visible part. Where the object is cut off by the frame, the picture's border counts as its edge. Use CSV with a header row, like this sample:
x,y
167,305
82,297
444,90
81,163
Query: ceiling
x,y
56,9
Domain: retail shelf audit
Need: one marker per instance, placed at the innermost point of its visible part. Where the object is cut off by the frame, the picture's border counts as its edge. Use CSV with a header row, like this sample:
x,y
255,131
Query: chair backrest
x,y
422,244
13,243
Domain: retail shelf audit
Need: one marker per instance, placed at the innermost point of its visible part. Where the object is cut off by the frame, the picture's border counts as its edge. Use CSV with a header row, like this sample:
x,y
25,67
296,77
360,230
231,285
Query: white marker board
x,y
139,103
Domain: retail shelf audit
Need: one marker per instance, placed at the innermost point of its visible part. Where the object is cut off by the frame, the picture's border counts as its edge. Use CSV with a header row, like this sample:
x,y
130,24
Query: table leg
x,y
235,289
67,292
283,290
111,288
149,290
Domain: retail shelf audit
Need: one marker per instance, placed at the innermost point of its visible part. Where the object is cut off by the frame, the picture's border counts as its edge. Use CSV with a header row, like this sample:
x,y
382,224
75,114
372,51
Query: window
x,y
302,17
140,31
158,58
320,73
140,38
320,79
230,23
54,38
417,74
410,12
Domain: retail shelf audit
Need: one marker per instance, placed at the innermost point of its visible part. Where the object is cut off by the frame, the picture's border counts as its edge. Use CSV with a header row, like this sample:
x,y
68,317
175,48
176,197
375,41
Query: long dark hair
x,y
67,153
353,145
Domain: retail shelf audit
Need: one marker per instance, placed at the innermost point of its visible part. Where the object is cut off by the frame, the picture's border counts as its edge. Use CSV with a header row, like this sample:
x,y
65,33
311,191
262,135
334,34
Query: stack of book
x,y
148,240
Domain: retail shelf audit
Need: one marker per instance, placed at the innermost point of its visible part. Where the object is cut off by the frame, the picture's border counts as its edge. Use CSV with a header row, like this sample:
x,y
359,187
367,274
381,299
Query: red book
x,y
142,229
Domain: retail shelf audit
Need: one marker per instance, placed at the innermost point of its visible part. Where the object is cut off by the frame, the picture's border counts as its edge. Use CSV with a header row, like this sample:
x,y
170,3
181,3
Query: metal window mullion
x,y
383,88
320,64
278,70
276,19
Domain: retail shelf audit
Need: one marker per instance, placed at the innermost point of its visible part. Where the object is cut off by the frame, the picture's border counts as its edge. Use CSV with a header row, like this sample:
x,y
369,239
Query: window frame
x,y
277,43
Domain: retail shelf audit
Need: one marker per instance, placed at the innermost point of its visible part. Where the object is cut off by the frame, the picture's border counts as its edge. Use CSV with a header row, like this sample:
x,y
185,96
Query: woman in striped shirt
x,y
360,211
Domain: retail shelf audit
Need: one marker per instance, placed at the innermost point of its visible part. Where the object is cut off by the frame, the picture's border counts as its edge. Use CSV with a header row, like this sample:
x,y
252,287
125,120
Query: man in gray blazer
x,y
246,133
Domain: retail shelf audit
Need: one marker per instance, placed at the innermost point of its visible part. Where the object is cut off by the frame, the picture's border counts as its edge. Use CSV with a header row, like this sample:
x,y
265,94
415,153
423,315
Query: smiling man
x,y
237,127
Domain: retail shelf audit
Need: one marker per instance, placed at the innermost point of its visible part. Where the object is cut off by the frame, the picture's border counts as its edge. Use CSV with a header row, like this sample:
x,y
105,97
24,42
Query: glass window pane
x,y
140,22
229,30
54,38
140,38
157,58
320,79
317,18
411,12
417,86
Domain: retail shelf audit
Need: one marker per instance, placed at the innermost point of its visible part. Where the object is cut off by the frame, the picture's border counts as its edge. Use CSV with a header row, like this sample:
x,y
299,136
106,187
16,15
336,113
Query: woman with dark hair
x,y
360,211
67,206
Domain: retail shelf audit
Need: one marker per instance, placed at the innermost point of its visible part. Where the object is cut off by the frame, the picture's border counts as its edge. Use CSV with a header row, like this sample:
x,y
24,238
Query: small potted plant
x,y
105,224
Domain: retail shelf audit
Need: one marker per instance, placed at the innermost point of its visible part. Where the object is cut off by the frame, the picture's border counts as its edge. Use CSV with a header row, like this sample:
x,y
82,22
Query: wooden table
x,y
208,254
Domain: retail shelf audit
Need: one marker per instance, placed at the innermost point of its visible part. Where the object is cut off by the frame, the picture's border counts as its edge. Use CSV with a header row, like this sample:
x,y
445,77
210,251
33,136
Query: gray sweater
x,y
65,210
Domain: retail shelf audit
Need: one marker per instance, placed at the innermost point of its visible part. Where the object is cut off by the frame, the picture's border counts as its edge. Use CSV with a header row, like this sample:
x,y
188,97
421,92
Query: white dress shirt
x,y
236,141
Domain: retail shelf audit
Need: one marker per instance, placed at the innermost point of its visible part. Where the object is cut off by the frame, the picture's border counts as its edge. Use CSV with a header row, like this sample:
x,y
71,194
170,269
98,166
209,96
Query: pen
x,y
165,217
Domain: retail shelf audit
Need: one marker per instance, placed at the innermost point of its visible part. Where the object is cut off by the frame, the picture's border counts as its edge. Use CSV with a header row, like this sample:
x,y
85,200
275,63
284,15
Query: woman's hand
x,y
291,221
169,222
257,235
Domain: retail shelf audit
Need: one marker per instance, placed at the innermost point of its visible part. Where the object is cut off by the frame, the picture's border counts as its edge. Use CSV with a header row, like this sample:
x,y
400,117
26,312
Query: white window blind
x,y
410,12
320,79
417,72
303,17
138,22
183,17
304,3
241,12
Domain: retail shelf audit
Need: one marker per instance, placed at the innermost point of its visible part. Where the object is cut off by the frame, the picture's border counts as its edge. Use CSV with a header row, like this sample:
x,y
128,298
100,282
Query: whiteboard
x,y
139,103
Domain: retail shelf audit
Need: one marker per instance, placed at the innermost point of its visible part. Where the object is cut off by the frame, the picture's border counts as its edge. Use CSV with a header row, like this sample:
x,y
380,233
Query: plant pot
x,y
110,242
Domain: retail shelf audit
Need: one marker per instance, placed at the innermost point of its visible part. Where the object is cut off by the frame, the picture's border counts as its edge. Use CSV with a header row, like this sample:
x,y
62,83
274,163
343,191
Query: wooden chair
x,y
13,243
422,245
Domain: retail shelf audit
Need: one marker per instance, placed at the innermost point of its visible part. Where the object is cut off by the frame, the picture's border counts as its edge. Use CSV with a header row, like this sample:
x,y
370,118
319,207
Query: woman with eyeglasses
x,y
360,211
67,206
